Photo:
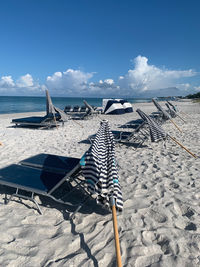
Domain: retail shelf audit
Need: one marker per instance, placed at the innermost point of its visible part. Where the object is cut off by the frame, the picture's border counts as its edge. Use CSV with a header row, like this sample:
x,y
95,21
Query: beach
x,y
160,222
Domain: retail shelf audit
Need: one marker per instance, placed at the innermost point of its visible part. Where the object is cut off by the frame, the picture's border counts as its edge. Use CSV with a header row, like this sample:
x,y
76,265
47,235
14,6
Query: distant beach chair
x,y
76,109
68,109
85,112
83,109
54,116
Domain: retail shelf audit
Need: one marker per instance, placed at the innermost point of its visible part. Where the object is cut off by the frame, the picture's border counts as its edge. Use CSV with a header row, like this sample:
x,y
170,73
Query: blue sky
x,y
99,48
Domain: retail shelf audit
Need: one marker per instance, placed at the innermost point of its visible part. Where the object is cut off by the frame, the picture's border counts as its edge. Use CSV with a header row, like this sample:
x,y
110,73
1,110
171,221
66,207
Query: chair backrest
x,y
68,108
76,108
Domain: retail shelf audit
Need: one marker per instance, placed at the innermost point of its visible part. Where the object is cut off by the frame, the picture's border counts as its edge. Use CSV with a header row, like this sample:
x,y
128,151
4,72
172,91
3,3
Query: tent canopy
x,y
116,106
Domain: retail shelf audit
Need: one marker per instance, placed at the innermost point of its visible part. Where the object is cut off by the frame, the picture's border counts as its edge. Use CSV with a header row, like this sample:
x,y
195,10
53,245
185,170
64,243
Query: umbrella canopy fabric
x,y
171,111
100,168
52,110
156,131
174,108
49,105
166,116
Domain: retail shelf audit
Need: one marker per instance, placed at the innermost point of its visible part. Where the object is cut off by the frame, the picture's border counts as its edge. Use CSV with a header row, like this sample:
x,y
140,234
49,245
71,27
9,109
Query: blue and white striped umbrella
x,y
174,108
165,115
100,168
156,131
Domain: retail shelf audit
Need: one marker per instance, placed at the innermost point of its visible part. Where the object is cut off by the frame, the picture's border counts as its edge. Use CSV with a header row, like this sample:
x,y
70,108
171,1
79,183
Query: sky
x,y
99,48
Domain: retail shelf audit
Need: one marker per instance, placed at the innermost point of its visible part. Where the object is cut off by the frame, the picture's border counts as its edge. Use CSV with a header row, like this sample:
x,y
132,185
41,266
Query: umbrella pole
x,y
117,246
185,114
182,146
78,123
180,118
176,125
54,117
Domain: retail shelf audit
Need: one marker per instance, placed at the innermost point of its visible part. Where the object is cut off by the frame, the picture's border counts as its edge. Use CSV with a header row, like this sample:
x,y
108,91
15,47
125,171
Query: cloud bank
x,y
25,85
141,80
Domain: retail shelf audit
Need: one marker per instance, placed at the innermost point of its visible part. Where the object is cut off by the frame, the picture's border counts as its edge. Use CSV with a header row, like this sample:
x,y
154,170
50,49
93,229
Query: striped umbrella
x,y
174,108
157,133
165,115
100,167
100,170
171,111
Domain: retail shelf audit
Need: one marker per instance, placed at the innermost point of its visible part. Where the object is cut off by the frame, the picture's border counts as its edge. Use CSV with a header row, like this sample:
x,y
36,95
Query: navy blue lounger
x,y
44,174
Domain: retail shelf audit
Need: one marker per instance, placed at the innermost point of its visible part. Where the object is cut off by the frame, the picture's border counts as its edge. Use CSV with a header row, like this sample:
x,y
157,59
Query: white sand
x,y
160,223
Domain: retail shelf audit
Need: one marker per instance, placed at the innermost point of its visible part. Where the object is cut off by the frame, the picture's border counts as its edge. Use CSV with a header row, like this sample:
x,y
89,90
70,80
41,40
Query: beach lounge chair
x,y
47,175
76,109
85,112
68,109
136,138
54,116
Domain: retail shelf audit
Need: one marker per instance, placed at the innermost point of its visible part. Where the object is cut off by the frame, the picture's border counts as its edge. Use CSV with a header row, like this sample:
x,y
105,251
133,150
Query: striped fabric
x,y
156,131
171,111
174,108
100,168
166,116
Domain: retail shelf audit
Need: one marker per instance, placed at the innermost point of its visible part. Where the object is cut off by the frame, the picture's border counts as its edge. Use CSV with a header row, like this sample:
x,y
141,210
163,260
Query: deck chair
x,y
47,175
68,109
91,110
76,109
136,138
54,117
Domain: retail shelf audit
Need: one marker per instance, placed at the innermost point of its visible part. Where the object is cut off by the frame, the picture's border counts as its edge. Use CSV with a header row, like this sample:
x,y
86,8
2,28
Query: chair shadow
x,y
133,124
89,207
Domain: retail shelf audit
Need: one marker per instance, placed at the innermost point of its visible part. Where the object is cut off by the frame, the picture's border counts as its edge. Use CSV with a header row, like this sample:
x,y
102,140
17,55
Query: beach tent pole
x,y
176,125
116,234
182,146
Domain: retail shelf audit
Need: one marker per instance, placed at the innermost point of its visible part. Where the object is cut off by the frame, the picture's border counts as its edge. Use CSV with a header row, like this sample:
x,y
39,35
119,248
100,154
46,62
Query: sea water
x,y
20,104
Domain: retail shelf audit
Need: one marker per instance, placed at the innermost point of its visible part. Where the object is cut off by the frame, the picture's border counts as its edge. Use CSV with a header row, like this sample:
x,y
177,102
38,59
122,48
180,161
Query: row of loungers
x,y
82,109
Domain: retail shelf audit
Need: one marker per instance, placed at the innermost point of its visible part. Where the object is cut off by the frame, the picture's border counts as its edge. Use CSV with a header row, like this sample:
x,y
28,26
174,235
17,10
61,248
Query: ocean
x,y
20,104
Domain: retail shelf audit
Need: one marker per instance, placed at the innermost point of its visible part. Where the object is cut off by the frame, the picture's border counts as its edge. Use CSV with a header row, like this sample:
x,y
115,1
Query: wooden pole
x,y
180,118
116,234
78,123
183,146
54,116
185,114
176,125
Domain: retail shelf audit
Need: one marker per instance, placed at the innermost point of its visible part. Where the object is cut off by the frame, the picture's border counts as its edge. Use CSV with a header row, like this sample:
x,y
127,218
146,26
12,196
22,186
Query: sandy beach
x,y
160,222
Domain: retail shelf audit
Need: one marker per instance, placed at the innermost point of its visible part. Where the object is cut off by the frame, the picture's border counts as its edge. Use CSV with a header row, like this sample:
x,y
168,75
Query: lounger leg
x,y
16,194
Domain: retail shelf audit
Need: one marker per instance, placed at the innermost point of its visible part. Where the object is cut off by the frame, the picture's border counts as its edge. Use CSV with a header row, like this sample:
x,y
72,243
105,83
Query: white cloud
x,y
24,85
25,81
141,80
6,82
144,77
68,82
197,88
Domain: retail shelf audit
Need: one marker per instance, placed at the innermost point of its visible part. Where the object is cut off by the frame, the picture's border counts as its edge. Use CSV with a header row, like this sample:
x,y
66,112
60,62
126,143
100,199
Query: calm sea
x,y
19,104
